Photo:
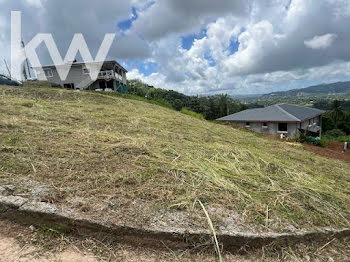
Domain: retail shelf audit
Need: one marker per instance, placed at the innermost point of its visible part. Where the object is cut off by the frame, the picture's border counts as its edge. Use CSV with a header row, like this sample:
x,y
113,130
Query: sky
x,y
200,47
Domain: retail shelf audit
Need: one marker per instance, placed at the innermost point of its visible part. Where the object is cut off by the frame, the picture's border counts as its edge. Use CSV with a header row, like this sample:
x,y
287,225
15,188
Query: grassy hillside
x,y
100,148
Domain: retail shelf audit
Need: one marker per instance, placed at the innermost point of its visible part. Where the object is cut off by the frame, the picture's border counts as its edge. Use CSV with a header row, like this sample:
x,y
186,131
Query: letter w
x,y
78,44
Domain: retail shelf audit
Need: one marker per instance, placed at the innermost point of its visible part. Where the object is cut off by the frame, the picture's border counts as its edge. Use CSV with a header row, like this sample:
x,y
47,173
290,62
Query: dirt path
x,y
12,250
23,243
333,150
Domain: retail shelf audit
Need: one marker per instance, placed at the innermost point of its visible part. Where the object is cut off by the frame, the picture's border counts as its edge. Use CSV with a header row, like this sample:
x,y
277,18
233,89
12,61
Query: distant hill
x,y
318,90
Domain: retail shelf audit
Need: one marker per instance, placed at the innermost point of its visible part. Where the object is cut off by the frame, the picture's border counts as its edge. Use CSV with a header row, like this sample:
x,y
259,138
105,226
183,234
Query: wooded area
x,y
211,107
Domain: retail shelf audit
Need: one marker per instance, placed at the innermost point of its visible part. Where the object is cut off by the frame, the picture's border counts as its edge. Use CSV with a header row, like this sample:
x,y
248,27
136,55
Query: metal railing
x,y
109,74
106,74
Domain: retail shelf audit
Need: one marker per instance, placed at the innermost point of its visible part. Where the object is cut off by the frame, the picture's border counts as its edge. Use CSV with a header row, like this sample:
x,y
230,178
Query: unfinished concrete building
x,y
285,119
112,76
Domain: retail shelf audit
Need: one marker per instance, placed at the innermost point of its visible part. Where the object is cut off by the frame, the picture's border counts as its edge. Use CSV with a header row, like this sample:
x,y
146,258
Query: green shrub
x,y
335,133
337,139
191,113
317,141
344,139
301,137
321,142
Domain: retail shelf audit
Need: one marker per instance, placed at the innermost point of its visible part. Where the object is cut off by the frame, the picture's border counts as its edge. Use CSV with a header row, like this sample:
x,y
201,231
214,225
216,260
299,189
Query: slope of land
x,y
139,164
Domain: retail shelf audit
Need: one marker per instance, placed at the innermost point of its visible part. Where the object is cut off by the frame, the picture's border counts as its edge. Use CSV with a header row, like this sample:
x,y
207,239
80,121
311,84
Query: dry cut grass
x,y
96,147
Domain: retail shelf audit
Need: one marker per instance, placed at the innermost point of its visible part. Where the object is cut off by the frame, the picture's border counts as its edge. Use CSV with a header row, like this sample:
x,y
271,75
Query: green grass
x,y
191,113
95,146
155,101
337,139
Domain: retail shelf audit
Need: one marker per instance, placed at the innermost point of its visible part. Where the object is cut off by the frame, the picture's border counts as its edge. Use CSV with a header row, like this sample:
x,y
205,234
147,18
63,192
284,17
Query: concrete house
x,y
112,76
279,119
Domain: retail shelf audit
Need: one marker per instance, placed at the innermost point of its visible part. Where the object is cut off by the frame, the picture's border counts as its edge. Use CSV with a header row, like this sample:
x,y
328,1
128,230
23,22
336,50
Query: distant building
x,y
279,119
112,76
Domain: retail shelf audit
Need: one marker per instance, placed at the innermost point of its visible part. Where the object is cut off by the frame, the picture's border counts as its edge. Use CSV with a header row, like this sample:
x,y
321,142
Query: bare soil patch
x,y
334,150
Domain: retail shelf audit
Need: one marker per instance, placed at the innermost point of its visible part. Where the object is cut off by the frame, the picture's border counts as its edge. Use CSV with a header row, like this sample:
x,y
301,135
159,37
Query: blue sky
x,y
145,67
187,40
126,24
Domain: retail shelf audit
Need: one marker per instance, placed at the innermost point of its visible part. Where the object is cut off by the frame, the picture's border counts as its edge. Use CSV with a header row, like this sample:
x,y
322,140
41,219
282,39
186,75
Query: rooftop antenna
x,y
26,70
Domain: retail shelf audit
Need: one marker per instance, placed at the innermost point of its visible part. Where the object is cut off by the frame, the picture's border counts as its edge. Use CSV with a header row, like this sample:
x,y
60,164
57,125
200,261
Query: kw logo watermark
x,y
20,53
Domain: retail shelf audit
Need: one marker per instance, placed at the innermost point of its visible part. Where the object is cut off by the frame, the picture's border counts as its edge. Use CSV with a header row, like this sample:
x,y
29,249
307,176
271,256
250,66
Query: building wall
x,y
306,123
75,76
272,128
311,124
96,85
124,78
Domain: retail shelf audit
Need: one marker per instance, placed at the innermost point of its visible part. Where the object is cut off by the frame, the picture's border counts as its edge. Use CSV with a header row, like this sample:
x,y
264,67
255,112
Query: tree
x,y
328,122
337,111
211,107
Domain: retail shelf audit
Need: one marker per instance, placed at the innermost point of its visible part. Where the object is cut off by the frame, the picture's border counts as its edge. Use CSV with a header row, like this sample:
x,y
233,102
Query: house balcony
x,y
108,75
314,128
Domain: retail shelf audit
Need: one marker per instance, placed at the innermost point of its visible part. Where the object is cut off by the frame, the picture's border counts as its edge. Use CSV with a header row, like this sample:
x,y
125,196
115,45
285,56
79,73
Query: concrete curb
x,y
24,211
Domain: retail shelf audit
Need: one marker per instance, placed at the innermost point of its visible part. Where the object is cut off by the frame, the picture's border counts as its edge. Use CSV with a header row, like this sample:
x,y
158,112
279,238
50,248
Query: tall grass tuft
x,y
212,229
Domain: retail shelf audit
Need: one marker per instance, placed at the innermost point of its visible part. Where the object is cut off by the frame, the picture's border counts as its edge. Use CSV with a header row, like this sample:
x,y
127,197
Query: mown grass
x,y
192,113
100,146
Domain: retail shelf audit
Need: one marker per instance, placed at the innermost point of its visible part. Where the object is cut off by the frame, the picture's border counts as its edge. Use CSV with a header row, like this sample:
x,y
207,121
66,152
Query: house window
x,y
282,127
265,125
86,71
247,124
48,72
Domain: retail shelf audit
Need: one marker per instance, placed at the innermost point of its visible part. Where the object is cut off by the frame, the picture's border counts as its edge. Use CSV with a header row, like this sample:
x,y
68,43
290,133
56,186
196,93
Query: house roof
x,y
113,62
275,113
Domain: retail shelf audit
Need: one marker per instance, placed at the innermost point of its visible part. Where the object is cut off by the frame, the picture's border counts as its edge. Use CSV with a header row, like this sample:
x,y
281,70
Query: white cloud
x,y
166,17
2,23
255,44
270,36
271,49
64,18
271,53
36,3
321,42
